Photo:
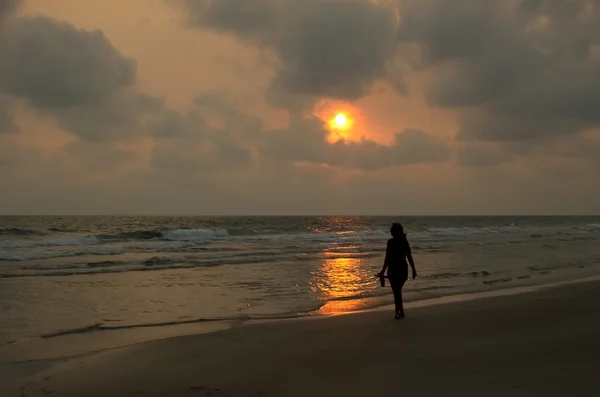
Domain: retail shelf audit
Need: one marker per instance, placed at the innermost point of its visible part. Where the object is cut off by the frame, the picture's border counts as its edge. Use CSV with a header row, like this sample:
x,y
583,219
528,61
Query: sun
x,y
340,126
340,120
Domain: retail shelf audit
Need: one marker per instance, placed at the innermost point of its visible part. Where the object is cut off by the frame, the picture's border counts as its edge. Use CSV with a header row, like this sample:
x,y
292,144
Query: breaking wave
x,y
184,235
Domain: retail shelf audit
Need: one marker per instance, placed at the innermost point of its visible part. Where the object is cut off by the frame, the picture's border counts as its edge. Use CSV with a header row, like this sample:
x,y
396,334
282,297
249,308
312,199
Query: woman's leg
x,y
397,285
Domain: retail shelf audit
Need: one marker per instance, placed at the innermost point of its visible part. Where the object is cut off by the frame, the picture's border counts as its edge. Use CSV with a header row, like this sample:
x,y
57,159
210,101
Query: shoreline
x,y
503,345
92,341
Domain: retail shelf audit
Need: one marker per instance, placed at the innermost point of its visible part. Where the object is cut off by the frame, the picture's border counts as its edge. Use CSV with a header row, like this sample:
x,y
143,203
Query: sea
x,y
74,284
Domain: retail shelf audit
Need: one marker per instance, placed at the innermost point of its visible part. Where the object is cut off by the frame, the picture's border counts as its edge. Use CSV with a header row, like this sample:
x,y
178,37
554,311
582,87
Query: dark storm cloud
x,y
326,48
73,75
522,71
305,141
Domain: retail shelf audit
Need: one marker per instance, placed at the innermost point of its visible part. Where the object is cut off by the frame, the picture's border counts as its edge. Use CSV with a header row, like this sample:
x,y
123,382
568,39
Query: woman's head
x,y
397,230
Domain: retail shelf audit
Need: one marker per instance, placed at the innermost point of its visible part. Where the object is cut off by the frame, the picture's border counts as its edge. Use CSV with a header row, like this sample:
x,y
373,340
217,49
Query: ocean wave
x,y
175,235
341,237
438,276
471,230
498,280
15,231
432,288
68,266
196,235
137,235
109,267
28,255
337,255
68,241
102,327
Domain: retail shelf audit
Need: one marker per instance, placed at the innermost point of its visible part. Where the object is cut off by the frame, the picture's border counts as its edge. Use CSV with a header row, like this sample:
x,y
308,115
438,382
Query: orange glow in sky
x,y
341,127
341,119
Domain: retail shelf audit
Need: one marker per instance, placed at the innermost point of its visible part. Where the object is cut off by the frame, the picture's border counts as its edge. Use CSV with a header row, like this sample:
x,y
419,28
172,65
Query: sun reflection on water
x,y
340,282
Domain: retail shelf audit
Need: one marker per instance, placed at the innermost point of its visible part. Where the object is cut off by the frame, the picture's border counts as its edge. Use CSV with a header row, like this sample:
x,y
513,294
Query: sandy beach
x,y
542,343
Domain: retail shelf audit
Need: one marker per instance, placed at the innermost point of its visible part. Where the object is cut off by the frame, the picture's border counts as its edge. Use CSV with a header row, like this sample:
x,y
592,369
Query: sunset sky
x,y
203,107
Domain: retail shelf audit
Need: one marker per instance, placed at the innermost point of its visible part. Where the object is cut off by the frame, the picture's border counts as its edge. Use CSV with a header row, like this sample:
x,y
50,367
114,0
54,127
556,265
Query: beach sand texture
x,y
543,343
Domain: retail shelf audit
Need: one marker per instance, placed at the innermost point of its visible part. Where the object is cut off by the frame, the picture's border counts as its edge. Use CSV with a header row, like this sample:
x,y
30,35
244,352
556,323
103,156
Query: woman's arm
x,y
411,261
412,265
386,260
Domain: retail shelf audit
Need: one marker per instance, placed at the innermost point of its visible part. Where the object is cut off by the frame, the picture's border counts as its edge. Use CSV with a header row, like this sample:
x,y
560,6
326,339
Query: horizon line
x,y
300,215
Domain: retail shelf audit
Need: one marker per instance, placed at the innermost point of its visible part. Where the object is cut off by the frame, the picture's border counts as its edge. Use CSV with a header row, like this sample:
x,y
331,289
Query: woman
x,y
396,253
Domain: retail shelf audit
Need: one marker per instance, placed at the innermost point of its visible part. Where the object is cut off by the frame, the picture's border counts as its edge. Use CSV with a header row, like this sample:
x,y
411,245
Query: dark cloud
x,y
173,124
331,48
522,71
100,157
7,7
585,149
73,75
15,157
7,123
125,114
487,154
305,141
53,65
252,20
518,71
188,146
231,120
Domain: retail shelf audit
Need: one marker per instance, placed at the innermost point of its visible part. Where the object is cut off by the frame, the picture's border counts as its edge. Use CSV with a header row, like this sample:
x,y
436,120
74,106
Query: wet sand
x,y
542,343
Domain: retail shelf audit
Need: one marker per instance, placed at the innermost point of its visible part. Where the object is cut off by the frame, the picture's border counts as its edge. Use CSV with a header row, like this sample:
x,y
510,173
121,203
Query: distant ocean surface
x,y
62,276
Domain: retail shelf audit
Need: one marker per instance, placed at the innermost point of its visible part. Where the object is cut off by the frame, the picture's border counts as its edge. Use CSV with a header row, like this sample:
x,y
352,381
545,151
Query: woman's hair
x,y
397,230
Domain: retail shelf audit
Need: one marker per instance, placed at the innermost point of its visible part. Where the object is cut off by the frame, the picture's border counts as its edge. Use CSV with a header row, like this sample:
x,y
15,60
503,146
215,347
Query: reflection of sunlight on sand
x,y
339,281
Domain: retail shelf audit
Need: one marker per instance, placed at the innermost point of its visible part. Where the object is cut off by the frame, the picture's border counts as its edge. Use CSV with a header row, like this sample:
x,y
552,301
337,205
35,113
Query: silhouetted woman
x,y
396,253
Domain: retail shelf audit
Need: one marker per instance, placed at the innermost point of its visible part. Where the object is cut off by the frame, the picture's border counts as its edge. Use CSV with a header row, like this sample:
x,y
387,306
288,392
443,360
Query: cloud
x,y
519,77
305,141
487,154
332,48
518,71
53,65
252,20
73,75
187,146
7,123
100,157
7,7
124,115
15,157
